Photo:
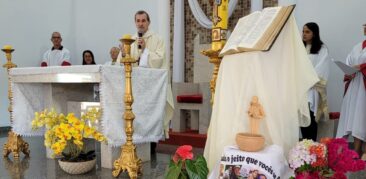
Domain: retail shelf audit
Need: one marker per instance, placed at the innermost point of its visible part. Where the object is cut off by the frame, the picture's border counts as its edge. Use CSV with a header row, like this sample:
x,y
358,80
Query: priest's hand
x,y
141,41
358,67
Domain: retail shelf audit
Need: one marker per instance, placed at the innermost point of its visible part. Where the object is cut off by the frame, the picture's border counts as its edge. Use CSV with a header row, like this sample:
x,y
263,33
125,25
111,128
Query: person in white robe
x,y
114,55
280,78
57,55
352,120
318,55
149,50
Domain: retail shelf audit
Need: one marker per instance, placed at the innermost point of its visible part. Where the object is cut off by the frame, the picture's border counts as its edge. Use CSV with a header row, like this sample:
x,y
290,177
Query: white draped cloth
x,y
201,17
280,78
353,111
149,90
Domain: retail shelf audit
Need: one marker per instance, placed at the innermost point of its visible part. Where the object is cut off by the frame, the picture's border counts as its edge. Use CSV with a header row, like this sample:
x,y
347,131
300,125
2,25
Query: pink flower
x,y
307,175
183,152
341,159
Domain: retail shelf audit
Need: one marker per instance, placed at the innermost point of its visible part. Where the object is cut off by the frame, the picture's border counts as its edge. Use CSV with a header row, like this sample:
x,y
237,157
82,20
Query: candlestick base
x,y
15,145
128,161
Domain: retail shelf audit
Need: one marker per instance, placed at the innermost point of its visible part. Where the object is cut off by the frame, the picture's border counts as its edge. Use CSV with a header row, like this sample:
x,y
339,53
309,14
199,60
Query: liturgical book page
x,y
345,68
241,31
258,30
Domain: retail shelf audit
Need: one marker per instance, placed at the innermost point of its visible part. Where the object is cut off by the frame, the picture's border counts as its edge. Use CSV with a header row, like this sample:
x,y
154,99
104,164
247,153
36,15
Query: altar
x,y
37,88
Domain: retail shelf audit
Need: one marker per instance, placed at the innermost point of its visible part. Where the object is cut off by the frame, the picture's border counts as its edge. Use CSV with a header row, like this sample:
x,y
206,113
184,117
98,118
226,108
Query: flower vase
x,y
77,167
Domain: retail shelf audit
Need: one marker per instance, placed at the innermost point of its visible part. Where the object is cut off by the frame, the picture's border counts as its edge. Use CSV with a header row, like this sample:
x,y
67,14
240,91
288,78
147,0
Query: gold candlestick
x,y
219,31
216,60
15,143
128,160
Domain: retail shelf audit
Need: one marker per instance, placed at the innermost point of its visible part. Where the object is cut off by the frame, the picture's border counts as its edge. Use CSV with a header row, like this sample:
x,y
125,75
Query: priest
x,y
149,51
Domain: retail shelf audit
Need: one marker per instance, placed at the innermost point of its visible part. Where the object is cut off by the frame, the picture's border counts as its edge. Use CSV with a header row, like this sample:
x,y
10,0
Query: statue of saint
x,y
256,113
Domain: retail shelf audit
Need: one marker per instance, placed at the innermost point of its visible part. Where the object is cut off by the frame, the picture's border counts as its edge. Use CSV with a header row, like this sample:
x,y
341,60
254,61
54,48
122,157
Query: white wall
x,y
340,23
84,24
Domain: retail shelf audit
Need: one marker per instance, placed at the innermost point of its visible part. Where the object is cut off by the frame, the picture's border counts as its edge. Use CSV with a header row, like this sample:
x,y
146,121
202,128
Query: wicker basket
x,y
77,167
249,142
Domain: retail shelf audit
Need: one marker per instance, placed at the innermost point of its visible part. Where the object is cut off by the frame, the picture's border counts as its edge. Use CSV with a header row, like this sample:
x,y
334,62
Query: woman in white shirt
x,y
318,55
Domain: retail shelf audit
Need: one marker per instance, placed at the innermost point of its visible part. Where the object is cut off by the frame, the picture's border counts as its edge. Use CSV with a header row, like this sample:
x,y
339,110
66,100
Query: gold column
x,y
219,31
128,160
15,143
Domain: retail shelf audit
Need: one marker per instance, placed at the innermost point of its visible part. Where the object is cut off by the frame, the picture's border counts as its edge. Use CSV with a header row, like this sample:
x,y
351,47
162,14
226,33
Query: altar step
x,y
189,137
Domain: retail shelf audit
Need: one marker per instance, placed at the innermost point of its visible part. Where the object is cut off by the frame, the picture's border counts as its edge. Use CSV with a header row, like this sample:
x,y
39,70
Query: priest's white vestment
x,y
154,57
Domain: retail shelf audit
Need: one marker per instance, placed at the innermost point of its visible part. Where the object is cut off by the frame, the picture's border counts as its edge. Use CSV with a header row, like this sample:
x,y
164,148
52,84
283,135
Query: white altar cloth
x,y
31,87
269,162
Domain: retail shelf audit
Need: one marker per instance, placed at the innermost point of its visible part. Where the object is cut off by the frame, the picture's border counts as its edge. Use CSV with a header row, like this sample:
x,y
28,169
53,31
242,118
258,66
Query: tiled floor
x,y
39,167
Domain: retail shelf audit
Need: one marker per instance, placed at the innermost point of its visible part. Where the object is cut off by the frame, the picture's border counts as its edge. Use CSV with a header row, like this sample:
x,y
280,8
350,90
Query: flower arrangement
x,y
331,158
183,166
64,134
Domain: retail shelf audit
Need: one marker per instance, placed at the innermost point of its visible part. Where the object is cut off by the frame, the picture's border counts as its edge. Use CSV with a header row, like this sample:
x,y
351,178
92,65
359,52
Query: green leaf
x,y
174,170
197,169
183,175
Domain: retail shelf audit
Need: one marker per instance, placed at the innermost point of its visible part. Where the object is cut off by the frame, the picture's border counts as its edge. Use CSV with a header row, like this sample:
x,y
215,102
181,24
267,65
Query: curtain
x,y
201,17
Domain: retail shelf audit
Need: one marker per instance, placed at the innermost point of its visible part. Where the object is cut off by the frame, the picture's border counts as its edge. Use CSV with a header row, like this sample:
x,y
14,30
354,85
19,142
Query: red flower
x,y
325,140
320,153
183,152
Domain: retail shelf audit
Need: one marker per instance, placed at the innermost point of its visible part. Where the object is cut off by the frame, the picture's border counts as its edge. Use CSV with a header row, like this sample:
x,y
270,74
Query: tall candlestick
x,y
220,21
128,160
15,143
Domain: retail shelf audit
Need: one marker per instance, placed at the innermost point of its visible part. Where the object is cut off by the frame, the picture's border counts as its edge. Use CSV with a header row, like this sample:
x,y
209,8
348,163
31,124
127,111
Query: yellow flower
x,y
57,148
61,117
78,137
88,131
67,136
67,132
79,125
42,115
98,136
71,118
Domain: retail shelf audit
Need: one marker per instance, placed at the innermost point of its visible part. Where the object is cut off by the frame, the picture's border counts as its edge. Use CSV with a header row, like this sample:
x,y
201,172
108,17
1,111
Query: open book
x,y
258,30
348,70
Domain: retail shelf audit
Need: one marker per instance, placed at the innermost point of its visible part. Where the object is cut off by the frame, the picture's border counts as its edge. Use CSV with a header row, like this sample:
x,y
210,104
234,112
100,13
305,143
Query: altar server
x,y
353,111
57,55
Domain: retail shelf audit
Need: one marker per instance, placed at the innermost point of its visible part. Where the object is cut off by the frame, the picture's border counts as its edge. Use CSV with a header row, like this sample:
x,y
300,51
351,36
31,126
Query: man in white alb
x,y
114,55
149,50
57,55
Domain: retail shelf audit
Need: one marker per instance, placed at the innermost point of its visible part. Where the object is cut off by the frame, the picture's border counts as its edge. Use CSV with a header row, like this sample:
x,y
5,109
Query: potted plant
x,y
65,135
183,166
331,158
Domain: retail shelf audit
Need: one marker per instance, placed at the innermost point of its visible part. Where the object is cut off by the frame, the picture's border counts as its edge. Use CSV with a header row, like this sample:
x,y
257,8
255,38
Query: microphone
x,y
139,35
